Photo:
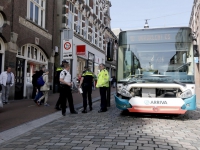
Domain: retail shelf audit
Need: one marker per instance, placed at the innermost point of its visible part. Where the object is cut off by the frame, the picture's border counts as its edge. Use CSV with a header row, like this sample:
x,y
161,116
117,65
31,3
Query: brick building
x,y
195,26
26,40
88,20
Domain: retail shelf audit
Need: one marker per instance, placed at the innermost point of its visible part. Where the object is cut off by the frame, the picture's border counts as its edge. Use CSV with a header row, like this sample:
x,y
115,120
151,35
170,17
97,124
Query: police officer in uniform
x,y
58,71
103,84
65,90
86,85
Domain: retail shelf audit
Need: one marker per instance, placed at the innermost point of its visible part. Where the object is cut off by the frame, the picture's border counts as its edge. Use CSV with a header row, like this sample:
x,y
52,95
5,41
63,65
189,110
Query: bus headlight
x,y
186,94
125,93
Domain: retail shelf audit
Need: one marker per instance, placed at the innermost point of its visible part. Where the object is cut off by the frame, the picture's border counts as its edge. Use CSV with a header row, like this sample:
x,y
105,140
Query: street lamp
x,y
146,24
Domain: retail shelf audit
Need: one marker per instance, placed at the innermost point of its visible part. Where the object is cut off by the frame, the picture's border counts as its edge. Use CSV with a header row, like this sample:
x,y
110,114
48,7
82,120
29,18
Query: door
x,y
19,79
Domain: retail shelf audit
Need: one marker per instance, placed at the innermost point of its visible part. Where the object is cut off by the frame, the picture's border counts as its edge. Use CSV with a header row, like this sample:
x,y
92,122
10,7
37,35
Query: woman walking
x,y
45,88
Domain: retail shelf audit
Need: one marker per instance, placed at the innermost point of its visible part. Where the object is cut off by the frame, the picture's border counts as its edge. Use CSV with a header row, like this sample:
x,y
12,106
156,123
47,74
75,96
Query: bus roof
x,y
155,28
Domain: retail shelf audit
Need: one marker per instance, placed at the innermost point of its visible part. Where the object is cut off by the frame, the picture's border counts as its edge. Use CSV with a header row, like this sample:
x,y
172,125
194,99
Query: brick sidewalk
x,y
22,111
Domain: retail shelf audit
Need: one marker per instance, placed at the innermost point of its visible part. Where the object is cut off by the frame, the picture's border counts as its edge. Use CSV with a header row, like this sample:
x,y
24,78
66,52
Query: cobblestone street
x,y
113,130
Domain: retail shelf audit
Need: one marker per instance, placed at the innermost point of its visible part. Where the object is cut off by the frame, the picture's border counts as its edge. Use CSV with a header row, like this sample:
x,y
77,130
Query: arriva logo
x,y
147,102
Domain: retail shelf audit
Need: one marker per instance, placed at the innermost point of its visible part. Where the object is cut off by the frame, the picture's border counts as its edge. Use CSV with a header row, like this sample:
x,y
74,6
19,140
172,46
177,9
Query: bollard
x,y
108,94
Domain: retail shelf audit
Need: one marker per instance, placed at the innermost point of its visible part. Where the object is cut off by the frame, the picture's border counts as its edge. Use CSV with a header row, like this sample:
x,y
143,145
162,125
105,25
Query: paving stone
x,y
112,130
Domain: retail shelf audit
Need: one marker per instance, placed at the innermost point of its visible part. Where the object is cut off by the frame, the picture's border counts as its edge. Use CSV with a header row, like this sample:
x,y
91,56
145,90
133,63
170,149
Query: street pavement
x,y
23,111
112,130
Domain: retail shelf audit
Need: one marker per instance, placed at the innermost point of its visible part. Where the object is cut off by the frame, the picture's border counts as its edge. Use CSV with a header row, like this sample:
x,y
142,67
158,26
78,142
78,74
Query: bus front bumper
x,y
189,104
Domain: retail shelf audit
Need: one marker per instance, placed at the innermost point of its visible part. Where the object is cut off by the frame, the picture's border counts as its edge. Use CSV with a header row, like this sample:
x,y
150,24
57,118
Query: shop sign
x,y
67,49
98,60
80,50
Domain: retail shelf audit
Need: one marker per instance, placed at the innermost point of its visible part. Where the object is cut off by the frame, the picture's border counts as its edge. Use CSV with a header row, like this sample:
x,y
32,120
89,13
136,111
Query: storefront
x,y
30,58
81,63
85,54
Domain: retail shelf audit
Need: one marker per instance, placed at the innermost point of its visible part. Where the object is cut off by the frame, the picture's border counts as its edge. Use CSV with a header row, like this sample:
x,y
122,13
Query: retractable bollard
x,y
108,94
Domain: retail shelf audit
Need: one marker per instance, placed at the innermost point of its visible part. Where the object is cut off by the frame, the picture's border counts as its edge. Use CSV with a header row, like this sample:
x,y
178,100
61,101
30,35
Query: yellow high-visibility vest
x,y
103,79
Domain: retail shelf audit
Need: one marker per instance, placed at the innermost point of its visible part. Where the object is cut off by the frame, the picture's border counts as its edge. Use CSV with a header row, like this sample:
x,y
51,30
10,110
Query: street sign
x,y
67,49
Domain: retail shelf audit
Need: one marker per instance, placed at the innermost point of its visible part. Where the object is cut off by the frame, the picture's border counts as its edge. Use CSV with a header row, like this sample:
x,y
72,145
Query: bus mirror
x,y
195,50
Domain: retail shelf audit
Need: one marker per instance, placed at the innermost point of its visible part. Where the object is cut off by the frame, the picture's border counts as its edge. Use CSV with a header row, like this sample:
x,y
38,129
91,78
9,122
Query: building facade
x,y
195,26
26,40
87,19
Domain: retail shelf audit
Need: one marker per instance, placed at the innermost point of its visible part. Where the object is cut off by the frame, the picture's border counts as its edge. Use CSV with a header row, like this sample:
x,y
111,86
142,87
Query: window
x,y
32,53
86,28
70,15
36,11
79,23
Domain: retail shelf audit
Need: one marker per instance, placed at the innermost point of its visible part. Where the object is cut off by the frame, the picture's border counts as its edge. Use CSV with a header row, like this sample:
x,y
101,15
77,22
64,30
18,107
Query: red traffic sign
x,y
67,45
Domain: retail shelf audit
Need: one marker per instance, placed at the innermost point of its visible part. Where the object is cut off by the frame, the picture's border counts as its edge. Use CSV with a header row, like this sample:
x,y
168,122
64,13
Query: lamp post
x,y
146,24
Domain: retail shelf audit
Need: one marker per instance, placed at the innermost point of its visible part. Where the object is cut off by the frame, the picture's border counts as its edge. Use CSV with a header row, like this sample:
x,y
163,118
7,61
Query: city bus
x,y
155,71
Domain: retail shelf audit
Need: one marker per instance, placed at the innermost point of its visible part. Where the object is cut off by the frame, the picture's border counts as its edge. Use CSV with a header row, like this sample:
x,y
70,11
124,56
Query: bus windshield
x,y
156,56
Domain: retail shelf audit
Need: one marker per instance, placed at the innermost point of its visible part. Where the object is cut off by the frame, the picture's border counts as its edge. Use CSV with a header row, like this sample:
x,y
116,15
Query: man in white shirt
x,y
6,80
65,90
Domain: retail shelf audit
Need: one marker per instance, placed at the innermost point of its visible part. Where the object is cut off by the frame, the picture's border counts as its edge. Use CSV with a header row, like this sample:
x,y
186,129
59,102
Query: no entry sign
x,y
67,46
67,49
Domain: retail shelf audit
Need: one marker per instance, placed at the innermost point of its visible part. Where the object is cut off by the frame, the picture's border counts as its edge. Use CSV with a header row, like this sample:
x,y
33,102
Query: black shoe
x,y
84,111
102,110
64,114
74,112
90,108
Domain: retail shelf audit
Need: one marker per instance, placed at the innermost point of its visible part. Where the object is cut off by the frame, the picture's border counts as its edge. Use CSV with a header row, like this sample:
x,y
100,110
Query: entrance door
x,y
19,83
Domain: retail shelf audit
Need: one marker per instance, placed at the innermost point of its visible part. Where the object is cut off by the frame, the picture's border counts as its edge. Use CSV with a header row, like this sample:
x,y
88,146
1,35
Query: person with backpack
x,y
44,82
34,83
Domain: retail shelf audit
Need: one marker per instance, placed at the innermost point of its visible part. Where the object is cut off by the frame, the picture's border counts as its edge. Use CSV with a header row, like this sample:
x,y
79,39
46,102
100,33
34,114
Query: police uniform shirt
x,y
88,78
66,76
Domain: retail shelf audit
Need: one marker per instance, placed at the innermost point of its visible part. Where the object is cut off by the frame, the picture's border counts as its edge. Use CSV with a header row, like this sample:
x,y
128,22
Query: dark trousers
x,y
87,93
65,92
103,91
34,92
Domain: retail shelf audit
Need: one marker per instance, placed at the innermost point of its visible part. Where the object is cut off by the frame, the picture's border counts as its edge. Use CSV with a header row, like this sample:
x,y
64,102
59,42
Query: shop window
x,y
36,11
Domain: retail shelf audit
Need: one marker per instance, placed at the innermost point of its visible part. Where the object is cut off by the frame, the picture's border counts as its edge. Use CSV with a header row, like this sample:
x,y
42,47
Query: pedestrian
x,y
85,68
44,88
94,81
65,90
6,80
113,82
34,83
58,71
86,85
39,93
103,84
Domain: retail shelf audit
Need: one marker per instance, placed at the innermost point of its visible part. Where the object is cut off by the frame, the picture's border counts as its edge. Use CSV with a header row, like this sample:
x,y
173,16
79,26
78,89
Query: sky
x,y
131,14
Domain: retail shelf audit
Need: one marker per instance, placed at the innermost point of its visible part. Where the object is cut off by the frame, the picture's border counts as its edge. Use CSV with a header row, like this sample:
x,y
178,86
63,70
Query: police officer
x,y
65,90
86,85
103,84
58,71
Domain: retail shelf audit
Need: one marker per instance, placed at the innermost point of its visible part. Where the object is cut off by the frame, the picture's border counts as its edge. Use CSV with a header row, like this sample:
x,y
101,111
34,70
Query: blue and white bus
x,y
156,71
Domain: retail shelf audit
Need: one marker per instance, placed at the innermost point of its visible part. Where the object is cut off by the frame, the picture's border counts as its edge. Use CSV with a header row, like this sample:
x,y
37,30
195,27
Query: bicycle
x,y
74,86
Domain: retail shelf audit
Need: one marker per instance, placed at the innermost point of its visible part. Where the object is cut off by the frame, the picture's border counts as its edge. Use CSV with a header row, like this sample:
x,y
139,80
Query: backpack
x,y
40,81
